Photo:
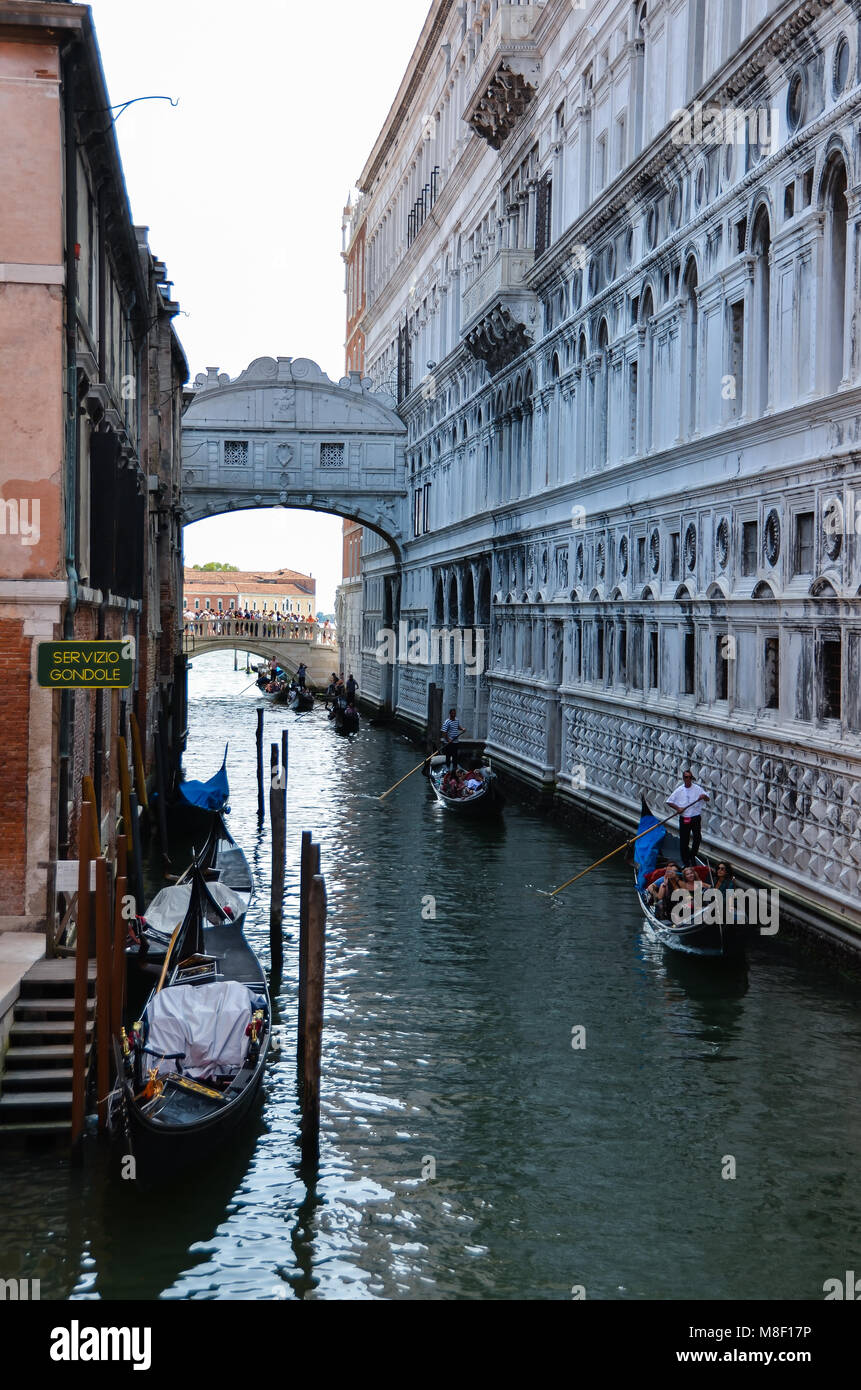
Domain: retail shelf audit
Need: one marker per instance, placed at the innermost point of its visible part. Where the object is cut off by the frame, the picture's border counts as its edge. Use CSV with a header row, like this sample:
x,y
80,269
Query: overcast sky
x,y
242,186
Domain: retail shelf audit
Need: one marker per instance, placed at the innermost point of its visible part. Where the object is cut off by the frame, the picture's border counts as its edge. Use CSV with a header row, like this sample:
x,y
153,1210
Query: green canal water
x,y
448,1050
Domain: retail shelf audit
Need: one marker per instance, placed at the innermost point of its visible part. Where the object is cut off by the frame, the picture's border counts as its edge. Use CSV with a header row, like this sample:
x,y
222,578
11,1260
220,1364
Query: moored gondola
x,y
483,799
190,814
706,928
194,1064
229,883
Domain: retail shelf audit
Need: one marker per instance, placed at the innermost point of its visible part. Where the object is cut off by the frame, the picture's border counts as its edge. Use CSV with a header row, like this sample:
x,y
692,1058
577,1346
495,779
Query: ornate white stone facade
x,y
625,345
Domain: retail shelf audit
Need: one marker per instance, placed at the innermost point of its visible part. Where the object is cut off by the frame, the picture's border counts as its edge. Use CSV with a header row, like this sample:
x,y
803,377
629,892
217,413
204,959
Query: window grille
x,y
235,453
331,456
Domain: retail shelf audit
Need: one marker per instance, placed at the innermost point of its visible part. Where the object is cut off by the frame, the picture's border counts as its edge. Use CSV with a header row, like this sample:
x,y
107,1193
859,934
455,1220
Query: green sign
x,y
87,665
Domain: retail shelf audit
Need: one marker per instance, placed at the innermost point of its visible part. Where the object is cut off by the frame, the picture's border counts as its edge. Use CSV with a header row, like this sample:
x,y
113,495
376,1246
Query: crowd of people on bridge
x,y
248,622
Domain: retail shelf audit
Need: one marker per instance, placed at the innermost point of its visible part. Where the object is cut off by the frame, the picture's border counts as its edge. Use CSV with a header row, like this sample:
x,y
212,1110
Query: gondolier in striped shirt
x,y
688,799
452,731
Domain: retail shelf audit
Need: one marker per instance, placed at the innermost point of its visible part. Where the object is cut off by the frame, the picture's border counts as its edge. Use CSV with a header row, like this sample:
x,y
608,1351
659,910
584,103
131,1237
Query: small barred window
x,y
235,453
331,456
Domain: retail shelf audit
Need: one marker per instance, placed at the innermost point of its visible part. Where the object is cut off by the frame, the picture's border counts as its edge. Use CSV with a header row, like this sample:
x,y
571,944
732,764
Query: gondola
x,y
706,933
193,1066
190,814
301,700
345,717
487,800
230,884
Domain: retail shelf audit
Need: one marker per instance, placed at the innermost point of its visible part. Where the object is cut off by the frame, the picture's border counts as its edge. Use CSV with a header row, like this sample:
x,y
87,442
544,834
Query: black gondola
x,y
195,1063
190,815
345,717
710,931
301,700
486,800
229,880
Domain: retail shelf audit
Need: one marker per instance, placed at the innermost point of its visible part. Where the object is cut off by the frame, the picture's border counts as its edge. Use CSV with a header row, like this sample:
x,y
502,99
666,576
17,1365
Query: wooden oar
x,y
408,774
167,956
617,850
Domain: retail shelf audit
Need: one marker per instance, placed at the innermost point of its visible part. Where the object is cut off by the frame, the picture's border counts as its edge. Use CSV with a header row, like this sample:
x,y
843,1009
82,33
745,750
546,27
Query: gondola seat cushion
x,y
205,1023
700,870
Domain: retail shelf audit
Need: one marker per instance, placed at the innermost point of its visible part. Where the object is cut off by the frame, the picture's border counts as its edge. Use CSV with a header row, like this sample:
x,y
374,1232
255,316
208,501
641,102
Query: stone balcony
x,y
507,73
499,312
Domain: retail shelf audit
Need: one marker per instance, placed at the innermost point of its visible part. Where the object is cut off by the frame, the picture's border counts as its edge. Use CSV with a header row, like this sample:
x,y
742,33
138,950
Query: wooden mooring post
x,y
309,865
118,963
434,728
278,827
103,990
316,931
86,833
261,805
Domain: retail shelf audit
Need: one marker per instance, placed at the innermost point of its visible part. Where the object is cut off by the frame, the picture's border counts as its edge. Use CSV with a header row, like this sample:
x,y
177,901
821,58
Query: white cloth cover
x,y
168,907
206,1023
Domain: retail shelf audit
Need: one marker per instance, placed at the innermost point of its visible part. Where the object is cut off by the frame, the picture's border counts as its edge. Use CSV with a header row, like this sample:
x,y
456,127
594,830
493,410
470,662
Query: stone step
x,y
46,1028
19,1100
34,1076
30,1056
58,971
36,1127
49,1006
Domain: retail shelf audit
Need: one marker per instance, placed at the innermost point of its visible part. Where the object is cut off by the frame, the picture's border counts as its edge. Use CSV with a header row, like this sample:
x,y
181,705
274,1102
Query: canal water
x,y
468,1150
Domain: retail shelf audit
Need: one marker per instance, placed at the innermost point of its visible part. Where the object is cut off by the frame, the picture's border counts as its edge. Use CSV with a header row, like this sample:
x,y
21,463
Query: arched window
x,y
638,88
834,271
527,434
761,316
647,316
689,357
603,396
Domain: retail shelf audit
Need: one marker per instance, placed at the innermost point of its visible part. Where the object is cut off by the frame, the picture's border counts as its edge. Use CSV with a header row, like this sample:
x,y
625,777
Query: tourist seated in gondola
x,y
473,782
450,785
724,877
662,891
657,883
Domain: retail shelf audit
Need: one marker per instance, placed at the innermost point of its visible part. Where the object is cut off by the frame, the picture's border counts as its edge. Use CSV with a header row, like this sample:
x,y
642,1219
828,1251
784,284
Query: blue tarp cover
x,y
647,849
211,795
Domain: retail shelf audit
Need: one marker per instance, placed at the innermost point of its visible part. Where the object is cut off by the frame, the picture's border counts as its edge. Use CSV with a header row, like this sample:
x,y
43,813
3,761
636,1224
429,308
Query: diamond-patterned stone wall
x,y
794,813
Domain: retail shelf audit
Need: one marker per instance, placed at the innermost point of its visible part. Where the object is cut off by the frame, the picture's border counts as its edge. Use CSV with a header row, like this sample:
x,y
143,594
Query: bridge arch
x,y
283,435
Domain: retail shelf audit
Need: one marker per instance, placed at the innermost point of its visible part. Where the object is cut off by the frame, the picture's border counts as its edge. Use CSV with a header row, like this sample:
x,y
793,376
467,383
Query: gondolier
x,y
688,799
452,731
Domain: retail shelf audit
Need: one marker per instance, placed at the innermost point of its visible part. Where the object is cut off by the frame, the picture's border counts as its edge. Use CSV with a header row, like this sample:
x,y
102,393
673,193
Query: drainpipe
x,y
72,427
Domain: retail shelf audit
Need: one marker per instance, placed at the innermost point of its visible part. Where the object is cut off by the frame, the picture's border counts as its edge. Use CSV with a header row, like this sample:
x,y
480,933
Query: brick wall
x,y
15,664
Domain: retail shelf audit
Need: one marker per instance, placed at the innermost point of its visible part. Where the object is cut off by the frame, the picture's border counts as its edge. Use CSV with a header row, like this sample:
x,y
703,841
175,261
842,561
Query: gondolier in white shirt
x,y
688,799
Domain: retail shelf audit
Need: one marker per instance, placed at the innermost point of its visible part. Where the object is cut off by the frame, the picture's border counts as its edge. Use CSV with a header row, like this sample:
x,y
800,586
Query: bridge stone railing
x,y
197,632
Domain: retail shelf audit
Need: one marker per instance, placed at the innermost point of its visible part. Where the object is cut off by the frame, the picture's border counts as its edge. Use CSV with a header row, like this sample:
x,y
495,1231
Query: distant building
x,y
90,404
221,591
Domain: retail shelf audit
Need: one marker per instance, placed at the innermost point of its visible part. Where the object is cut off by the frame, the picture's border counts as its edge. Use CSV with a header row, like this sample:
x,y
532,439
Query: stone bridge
x,y
283,435
273,641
